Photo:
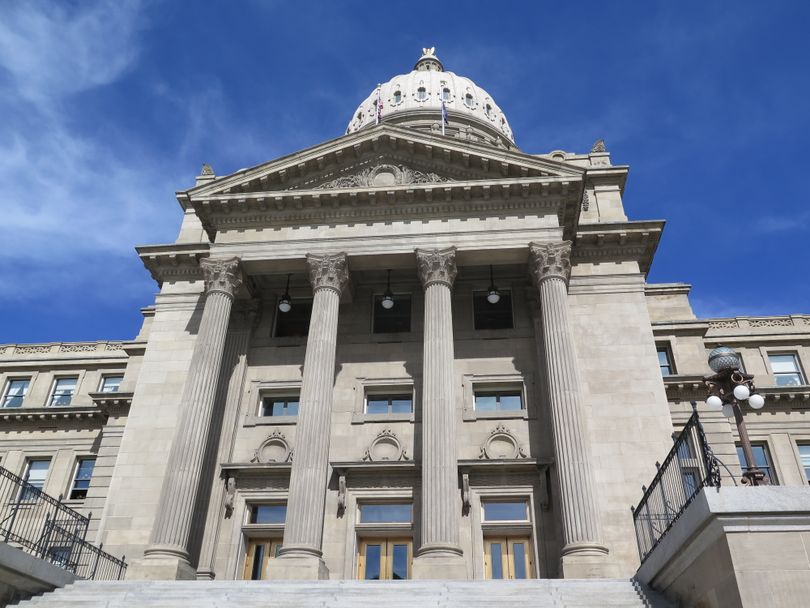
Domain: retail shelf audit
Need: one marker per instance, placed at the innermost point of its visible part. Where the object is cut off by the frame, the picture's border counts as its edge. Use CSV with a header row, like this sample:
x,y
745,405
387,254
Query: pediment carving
x,y
501,444
383,175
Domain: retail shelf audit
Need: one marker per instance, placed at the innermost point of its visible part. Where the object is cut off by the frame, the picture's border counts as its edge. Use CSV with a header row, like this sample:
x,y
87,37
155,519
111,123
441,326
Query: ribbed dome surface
x,y
422,91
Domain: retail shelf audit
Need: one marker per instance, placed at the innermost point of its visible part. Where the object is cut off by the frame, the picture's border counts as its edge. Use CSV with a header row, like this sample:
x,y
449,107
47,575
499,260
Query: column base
x,y
297,568
440,564
161,568
587,560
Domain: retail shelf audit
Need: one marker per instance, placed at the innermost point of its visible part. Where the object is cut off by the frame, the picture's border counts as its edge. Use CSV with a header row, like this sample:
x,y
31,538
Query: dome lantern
x,y
428,61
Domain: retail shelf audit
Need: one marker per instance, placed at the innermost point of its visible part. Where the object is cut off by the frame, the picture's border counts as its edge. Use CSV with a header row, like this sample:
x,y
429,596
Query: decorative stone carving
x,y
599,146
34,349
273,449
586,202
550,260
221,275
77,348
465,493
501,444
724,324
386,446
774,322
230,494
382,176
328,271
436,266
341,499
206,170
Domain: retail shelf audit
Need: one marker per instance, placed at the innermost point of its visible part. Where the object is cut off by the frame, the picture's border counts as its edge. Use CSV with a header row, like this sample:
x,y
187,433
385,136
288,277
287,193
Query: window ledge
x,y
364,418
471,415
269,420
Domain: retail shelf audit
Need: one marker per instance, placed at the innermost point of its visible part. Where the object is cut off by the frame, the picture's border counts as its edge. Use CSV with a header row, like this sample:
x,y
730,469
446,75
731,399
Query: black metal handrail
x,y
44,526
688,468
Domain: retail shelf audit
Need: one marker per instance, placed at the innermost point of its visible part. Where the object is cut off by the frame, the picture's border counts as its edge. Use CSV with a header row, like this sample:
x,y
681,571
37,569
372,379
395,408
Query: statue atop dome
x,y
428,61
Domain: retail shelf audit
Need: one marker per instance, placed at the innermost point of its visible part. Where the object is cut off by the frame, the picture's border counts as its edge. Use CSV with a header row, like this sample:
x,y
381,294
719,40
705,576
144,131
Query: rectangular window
x,y
492,316
111,384
81,480
63,390
786,370
503,510
268,514
385,513
804,455
386,403
280,406
36,472
665,360
16,388
295,322
762,460
396,319
498,400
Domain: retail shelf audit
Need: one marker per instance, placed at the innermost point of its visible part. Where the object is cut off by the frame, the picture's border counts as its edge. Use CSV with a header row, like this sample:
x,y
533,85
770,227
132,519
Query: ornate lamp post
x,y
727,388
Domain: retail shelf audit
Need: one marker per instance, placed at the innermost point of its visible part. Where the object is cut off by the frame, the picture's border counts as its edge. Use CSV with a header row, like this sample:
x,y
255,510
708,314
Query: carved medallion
x,y
501,444
273,449
386,446
382,176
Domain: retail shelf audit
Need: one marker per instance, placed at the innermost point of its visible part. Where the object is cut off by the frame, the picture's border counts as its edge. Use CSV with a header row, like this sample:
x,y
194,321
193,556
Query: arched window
x,y
421,93
468,100
397,96
446,94
488,111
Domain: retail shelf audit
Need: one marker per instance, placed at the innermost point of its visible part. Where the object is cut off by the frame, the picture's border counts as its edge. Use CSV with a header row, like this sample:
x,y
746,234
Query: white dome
x,y
421,92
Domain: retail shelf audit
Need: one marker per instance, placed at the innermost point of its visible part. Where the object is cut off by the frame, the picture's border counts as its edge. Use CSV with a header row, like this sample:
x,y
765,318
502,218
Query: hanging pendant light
x,y
493,295
285,303
388,297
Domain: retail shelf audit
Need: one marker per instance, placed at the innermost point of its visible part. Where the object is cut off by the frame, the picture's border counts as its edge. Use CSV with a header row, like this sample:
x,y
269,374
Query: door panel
x,y
384,559
257,556
508,558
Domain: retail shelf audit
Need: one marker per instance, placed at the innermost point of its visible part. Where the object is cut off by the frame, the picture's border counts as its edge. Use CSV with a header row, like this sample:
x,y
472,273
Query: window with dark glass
x,y
492,316
762,460
273,405
665,360
446,94
400,403
396,319
275,513
421,93
507,400
82,477
36,472
295,322
16,388
397,96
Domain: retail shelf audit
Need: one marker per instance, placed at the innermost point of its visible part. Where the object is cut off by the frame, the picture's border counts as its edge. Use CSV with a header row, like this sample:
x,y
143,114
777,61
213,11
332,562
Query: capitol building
x,y
416,351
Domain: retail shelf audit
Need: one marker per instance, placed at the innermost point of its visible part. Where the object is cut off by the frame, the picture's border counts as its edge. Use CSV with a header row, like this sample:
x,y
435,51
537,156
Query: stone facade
x,y
228,403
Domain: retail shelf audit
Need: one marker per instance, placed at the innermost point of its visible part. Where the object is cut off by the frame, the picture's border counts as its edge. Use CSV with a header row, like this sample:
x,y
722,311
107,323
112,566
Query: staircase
x,y
542,593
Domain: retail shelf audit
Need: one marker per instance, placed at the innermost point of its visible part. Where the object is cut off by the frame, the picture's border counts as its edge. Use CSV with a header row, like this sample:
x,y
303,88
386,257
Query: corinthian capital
x,y
550,260
222,275
436,266
328,271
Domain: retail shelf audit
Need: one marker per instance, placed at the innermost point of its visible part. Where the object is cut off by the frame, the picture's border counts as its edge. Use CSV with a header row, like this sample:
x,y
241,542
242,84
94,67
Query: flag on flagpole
x,y
379,107
445,120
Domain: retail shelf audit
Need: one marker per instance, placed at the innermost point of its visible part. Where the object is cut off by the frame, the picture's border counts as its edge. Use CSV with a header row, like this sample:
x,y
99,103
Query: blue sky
x,y
109,108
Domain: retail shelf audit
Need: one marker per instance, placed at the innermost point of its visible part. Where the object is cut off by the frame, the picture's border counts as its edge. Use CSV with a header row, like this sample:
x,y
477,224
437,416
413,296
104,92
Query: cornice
x,y
691,388
175,262
618,241
52,414
61,351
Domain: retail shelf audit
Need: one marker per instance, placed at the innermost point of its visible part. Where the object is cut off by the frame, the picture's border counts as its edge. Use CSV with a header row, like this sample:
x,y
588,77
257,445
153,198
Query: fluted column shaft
x,y
440,513
172,528
303,529
550,268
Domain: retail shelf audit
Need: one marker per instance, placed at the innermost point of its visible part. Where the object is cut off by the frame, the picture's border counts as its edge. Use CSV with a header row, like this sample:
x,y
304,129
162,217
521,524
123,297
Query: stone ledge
x,y
23,575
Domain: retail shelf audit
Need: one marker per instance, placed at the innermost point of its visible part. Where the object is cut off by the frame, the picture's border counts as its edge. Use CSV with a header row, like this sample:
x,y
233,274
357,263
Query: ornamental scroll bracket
x,y
341,498
465,493
230,494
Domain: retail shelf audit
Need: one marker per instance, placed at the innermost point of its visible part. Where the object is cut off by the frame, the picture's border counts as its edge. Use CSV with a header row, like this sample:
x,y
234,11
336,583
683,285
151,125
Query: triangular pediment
x,y
381,157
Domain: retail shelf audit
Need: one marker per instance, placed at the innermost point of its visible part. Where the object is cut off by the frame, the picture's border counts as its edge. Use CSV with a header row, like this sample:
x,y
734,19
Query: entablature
x,y
619,241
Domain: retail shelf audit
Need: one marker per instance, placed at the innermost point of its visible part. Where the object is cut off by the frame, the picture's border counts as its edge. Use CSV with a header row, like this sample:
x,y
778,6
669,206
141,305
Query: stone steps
x,y
542,593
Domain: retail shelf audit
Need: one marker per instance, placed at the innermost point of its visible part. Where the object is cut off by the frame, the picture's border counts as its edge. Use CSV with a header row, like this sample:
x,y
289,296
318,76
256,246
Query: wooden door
x,y
508,558
259,553
384,559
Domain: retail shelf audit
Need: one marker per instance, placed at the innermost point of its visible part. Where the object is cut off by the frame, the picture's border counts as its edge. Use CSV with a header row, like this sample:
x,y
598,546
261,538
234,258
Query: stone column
x,y
439,555
583,555
301,556
167,556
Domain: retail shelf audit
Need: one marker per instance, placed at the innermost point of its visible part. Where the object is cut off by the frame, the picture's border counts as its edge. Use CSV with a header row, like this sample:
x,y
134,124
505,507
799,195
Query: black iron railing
x,y
44,526
687,469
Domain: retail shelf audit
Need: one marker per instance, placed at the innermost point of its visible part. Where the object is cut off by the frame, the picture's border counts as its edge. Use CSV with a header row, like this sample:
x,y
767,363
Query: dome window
x,y
397,97
488,111
445,94
468,100
421,93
